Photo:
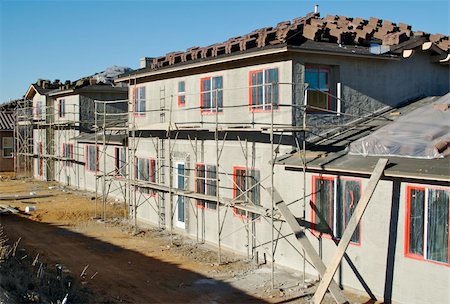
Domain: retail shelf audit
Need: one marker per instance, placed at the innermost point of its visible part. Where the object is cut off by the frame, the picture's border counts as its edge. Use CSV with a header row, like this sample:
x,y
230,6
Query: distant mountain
x,y
111,73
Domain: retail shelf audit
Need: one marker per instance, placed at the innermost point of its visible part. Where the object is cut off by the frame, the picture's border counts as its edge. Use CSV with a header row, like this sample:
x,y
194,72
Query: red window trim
x,y
116,158
197,204
313,213
250,86
151,168
86,164
413,256
68,163
234,209
183,94
206,111
328,70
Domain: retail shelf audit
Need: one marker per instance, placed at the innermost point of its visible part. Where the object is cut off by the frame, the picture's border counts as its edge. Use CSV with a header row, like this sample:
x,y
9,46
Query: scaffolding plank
x,y
306,244
349,230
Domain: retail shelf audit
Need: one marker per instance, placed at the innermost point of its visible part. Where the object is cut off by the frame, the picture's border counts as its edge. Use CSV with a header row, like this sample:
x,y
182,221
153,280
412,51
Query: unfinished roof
x,y
333,30
423,133
328,154
6,121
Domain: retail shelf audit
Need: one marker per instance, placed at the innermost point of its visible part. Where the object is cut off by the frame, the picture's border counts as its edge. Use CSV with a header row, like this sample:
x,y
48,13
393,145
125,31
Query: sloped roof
x,y
332,29
329,155
423,133
6,121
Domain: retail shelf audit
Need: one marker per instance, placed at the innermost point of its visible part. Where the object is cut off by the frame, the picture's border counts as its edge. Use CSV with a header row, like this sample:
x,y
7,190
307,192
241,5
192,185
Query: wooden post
x,y
349,230
306,244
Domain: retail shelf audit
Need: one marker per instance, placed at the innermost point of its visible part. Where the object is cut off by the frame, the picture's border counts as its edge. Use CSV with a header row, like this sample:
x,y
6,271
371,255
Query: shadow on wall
x,y
122,274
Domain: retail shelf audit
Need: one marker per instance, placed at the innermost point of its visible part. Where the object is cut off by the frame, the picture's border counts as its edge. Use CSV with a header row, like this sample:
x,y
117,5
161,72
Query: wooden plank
x,y
23,197
349,230
306,244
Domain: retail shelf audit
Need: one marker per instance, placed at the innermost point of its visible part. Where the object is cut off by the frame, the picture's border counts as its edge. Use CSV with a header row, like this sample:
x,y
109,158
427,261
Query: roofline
x,y
246,55
213,61
28,91
78,91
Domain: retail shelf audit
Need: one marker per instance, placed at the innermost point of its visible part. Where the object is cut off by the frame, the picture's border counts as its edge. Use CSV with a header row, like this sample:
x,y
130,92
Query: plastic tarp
x,y
422,133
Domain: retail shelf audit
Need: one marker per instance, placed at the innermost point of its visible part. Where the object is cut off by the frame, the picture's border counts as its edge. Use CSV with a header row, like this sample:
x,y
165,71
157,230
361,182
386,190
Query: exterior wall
x,y
72,109
369,85
235,99
6,163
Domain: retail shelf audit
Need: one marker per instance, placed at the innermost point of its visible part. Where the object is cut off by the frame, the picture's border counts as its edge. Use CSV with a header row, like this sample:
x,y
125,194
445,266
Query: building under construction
x,y
260,145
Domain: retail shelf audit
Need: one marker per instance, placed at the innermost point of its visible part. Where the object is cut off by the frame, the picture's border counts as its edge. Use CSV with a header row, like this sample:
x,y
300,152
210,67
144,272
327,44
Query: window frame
x,y
336,199
328,70
423,256
61,108
8,147
87,161
266,107
205,204
120,168
181,94
151,175
243,213
68,157
211,110
38,110
138,101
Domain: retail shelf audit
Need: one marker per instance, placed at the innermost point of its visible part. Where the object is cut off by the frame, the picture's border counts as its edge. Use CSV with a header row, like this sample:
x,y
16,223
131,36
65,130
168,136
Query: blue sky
x,y
71,39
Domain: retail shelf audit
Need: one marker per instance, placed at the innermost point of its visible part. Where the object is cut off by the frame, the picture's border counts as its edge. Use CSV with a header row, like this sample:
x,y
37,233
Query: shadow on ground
x,y
117,273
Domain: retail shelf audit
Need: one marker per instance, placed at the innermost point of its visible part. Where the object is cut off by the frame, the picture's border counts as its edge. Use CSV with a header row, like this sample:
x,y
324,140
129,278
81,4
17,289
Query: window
x,y
120,168
181,93
334,201
8,147
38,110
318,79
139,100
211,94
67,154
263,89
205,183
92,158
40,159
246,188
61,108
145,171
427,222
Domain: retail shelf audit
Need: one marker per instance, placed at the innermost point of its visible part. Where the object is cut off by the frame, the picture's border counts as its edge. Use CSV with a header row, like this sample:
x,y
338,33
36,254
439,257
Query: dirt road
x,y
128,268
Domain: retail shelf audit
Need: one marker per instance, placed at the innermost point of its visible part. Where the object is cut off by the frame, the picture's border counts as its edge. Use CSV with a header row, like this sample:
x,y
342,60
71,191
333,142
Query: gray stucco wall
x,y
369,85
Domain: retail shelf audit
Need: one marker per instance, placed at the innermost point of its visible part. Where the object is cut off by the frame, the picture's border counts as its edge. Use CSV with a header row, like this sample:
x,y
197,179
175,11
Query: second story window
x,y
181,93
318,93
263,89
139,100
61,108
211,94
38,110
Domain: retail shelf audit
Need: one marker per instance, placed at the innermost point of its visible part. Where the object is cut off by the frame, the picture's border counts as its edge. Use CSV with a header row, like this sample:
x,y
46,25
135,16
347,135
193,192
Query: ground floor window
x,y
92,158
8,147
334,201
246,188
205,183
120,168
67,150
145,171
427,221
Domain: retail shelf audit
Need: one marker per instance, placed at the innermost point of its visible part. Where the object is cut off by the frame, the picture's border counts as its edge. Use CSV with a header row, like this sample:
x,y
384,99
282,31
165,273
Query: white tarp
x,y
423,133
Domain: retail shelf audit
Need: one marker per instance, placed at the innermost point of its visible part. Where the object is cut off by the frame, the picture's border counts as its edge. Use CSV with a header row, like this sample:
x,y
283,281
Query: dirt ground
x,y
123,265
